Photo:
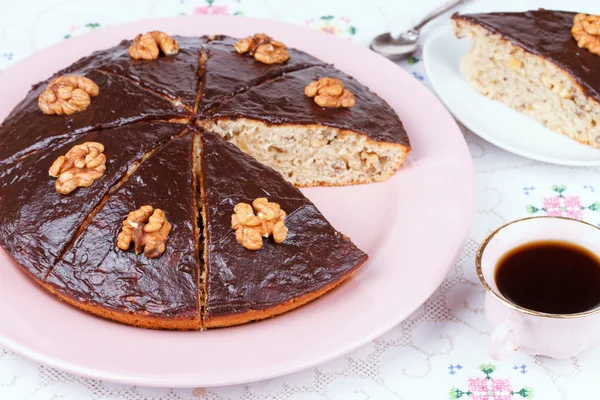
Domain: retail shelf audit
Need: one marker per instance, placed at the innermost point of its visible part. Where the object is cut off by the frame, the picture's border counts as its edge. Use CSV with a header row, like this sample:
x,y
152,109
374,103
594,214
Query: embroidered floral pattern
x,y
339,26
418,75
453,368
76,29
521,368
563,205
489,388
210,9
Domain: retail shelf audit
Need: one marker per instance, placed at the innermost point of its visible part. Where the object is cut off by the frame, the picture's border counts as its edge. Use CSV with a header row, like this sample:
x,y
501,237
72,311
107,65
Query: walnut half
x,y
330,92
67,95
263,48
250,228
148,229
80,167
586,31
149,45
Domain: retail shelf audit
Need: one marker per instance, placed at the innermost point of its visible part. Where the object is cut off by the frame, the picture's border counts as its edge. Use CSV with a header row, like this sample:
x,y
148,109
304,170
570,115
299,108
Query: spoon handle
x,y
437,12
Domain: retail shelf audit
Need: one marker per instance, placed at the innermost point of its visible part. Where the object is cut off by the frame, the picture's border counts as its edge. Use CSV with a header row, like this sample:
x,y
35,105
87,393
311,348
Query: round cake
x,y
155,183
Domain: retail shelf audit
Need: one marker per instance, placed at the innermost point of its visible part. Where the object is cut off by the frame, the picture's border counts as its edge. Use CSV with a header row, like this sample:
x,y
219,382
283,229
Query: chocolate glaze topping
x,y
36,222
95,270
242,71
282,101
120,101
546,33
173,76
313,256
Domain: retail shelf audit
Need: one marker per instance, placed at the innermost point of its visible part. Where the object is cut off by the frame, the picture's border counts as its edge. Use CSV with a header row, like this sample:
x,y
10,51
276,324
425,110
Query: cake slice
x,y
36,222
532,62
243,285
175,77
28,130
226,73
149,290
310,145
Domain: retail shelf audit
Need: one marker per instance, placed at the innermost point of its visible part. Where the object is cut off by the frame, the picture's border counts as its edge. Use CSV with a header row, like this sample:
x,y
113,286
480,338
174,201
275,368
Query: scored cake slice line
x,y
244,285
119,102
243,72
173,77
37,223
122,269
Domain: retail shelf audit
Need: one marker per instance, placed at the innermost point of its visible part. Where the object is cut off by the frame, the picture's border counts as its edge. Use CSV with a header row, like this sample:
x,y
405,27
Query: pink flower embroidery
x,y
210,10
565,206
488,389
334,30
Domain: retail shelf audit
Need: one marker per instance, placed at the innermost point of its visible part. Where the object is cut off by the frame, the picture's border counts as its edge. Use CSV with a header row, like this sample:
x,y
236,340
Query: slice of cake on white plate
x,y
543,63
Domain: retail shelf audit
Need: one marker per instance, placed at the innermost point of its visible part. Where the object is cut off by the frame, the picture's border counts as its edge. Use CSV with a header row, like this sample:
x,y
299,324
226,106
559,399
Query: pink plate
x,y
413,227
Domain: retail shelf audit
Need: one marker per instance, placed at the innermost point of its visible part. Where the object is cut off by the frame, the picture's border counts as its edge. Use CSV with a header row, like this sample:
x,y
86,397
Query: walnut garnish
x,y
148,229
330,92
586,31
80,167
147,46
67,95
263,48
250,228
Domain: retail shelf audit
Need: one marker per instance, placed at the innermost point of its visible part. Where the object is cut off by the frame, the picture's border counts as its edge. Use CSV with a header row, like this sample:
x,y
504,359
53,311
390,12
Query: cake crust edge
x,y
223,321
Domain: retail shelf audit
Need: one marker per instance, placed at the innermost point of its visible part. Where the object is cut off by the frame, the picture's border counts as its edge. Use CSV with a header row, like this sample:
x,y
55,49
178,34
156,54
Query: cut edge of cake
x,y
530,84
315,154
200,209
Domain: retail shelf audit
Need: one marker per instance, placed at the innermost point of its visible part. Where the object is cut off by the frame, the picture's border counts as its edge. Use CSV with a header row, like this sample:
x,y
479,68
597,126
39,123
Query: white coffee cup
x,y
518,328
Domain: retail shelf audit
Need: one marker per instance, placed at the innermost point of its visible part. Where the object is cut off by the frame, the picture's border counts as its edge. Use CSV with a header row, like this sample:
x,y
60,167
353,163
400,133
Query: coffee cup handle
x,y
501,342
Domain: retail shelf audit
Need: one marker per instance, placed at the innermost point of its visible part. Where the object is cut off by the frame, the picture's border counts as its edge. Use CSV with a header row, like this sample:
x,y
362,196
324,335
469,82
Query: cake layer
x,y
313,155
119,102
36,222
244,285
162,292
546,33
226,73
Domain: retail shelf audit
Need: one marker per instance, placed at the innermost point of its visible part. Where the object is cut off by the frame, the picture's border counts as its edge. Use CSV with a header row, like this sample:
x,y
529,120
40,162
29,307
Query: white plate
x,y
492,120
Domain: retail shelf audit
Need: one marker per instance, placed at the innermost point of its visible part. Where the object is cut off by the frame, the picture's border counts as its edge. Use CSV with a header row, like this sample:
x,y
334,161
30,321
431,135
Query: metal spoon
x,y
407,42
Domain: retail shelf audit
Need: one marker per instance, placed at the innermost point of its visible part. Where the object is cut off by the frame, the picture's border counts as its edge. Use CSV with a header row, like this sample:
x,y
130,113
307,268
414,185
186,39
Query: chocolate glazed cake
x,y
242,285
542,63
115,200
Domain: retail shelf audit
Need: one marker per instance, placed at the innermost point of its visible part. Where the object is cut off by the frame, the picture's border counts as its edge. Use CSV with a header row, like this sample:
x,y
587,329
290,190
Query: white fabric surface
x,y
440,352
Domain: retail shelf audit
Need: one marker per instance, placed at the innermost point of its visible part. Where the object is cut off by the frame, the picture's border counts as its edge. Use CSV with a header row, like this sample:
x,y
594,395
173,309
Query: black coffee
x,y
550,276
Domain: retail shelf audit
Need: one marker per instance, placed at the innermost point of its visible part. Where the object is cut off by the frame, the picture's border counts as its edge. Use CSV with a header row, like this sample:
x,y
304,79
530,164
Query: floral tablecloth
x,y
440,352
